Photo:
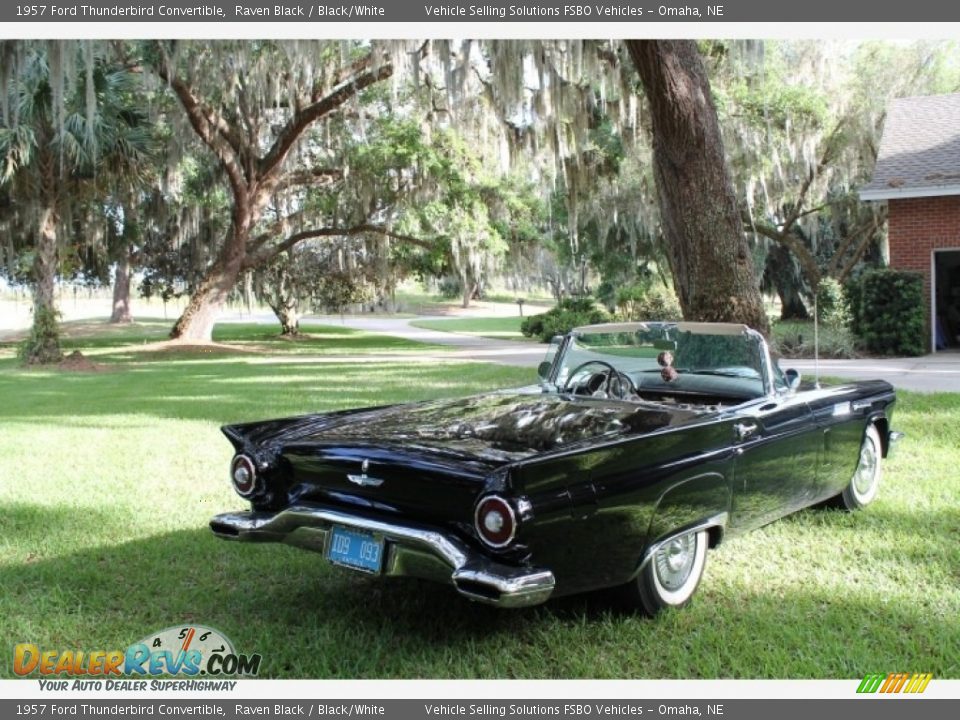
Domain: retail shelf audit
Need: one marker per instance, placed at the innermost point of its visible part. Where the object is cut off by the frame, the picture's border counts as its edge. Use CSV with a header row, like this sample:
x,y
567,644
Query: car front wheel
x,y
672,574
862,488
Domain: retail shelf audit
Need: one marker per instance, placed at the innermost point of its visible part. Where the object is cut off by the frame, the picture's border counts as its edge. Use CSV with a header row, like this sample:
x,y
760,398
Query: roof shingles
x,y
920,149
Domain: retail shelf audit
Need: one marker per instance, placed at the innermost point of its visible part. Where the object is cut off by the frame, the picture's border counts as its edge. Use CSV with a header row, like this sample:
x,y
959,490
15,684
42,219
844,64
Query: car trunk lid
x,y
431,459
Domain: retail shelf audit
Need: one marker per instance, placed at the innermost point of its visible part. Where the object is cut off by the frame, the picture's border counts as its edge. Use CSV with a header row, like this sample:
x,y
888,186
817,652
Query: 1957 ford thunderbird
x,y
644,445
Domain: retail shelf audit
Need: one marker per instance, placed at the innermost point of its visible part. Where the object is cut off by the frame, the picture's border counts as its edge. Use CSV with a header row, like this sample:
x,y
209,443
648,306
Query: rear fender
x,y
700,502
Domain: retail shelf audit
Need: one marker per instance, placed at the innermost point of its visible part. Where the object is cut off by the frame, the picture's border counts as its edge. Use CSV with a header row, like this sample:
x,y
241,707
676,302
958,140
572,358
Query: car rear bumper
x,y
893,439
410,550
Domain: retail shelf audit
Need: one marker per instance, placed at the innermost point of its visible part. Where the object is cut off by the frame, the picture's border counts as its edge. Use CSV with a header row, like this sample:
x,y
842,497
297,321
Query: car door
x,y
840,413
776,445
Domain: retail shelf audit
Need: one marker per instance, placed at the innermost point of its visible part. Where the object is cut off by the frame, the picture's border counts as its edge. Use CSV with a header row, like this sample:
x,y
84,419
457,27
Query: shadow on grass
x,y
308,619
101,337
287,604
31,524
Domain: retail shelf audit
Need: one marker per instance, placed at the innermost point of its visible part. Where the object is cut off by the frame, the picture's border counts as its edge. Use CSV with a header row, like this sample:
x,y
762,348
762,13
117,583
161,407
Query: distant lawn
x,y
136,341
498,328
109,478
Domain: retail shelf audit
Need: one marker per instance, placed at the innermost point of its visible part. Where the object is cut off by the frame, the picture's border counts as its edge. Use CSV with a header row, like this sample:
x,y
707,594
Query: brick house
x,y
918,175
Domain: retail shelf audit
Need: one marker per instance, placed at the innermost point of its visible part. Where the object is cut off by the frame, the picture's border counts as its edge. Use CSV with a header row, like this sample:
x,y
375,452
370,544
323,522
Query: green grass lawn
x,y
498,328
109,478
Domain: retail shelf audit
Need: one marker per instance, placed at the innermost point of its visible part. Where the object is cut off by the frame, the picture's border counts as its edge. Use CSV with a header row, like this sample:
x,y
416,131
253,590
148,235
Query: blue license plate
x,y
356,550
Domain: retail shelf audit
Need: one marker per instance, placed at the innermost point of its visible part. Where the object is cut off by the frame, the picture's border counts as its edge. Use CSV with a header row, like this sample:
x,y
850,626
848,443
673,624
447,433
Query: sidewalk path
x,y
931,373
469,347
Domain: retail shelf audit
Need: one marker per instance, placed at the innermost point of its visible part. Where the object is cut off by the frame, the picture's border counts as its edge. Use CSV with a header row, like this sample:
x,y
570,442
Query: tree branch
x,y
311,177
867,235
825,160
266,253
794,244
212,129
304,117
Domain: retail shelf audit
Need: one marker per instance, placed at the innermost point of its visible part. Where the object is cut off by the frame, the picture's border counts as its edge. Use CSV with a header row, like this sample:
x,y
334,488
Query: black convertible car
x,y
644,445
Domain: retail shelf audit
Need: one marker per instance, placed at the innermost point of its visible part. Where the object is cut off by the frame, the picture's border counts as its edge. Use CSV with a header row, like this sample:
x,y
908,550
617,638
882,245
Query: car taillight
x,y
495,521
243,475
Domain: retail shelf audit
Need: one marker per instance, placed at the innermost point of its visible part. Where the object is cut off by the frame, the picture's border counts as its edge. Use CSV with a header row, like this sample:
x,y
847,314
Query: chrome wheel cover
x,y
866,474
674,561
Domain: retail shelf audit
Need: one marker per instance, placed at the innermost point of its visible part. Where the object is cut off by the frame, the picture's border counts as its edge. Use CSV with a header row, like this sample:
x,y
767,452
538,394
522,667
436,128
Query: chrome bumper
x,y
409,550
893,439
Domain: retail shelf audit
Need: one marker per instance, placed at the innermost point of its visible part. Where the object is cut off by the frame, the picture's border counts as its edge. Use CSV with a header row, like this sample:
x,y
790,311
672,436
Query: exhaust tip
x,y
478,590
224,529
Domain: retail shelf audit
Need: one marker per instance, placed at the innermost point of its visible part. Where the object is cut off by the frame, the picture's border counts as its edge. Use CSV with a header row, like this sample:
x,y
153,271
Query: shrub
x,y
606,293
449,287
561,319
627,300
888,312
831,304
638,303
853,299
795,339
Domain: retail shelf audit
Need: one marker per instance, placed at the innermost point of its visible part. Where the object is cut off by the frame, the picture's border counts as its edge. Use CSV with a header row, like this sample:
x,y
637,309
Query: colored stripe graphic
x,y
870,683
919,682
895,683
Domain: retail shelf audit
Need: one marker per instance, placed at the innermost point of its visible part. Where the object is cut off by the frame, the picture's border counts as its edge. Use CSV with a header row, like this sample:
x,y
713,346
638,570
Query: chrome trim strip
x,y
472,574
718,520
768,384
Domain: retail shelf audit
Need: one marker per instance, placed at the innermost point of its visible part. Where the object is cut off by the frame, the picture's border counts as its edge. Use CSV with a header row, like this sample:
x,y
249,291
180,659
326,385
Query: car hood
x,y
505,426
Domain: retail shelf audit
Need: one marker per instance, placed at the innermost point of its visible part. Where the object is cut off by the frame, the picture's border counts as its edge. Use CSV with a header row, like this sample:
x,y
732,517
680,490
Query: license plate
x,y
356,550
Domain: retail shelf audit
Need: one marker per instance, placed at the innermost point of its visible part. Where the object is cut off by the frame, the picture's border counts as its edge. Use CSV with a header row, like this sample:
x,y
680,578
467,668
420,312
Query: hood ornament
x,y
364,480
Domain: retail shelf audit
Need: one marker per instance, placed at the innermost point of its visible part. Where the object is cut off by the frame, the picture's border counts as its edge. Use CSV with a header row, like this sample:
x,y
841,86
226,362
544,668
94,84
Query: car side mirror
x,y
793,378
543,369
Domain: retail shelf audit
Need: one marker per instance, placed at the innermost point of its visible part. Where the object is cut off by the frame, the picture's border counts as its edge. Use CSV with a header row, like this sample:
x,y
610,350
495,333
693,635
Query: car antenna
x,y
816,338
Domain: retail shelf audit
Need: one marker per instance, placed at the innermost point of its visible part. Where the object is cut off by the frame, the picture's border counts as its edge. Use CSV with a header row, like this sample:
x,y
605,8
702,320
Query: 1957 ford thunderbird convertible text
x,y
644,445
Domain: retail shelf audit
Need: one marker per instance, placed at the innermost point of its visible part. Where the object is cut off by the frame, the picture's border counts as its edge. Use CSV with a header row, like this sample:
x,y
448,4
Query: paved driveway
x,y
506,352
939,372
932,373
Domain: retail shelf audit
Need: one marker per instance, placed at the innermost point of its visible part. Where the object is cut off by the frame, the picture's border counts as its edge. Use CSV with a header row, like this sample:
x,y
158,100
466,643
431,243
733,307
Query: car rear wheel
x,y
671,576
862,488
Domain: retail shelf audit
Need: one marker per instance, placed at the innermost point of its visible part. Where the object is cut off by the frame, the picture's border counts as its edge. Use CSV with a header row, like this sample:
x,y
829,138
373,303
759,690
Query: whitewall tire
x,y
863,486
671,575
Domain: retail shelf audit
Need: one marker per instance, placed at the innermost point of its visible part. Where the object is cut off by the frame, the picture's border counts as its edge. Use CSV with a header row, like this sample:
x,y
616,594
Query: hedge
x,y
887,312
562,318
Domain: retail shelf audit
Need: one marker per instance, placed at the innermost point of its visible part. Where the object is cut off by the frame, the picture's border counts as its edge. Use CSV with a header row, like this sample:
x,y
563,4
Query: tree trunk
x,y
709,257
44,341
467,286
198,318
782,275
121,290
289,319
791,305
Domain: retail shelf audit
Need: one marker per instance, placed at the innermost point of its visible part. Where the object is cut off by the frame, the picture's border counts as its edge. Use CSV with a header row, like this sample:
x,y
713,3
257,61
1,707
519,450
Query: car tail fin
x,y
235,434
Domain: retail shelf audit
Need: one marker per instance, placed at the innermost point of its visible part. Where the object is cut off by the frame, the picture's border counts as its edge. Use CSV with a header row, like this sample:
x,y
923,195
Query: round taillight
x,y
495,521
243,475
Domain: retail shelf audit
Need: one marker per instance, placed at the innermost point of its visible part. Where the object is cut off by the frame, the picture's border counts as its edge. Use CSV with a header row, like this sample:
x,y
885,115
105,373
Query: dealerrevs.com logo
x,y
889,683
179,651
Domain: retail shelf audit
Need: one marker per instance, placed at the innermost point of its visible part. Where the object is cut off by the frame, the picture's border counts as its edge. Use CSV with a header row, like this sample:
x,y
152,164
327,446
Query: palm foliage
x,y
71,133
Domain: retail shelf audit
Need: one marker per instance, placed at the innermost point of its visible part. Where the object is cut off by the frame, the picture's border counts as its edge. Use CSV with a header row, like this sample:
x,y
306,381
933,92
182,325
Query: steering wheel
x,y
606,386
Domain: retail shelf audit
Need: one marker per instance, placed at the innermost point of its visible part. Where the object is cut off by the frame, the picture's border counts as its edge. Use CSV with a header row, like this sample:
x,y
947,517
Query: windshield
x,y
638,360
